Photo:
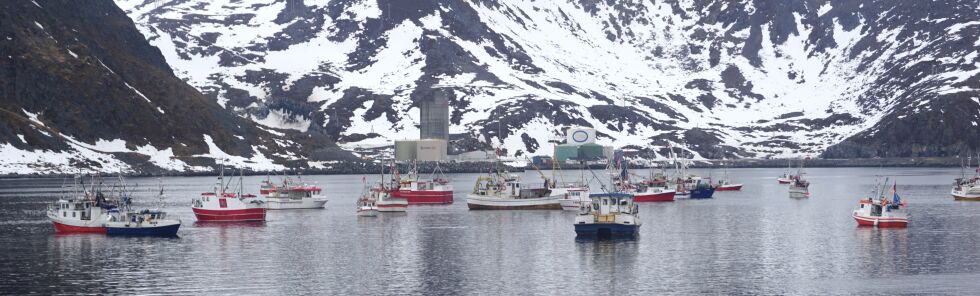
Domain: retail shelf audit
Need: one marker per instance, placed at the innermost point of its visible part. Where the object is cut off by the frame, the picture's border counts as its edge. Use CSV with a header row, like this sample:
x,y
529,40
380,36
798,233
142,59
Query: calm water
x,y
754,241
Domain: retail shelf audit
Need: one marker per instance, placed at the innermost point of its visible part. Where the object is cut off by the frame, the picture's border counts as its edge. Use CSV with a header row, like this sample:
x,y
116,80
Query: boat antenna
x,y
601,184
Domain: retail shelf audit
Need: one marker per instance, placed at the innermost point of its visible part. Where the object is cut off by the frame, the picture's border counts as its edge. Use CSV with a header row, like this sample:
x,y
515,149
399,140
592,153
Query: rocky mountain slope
x,y
80,88
736,78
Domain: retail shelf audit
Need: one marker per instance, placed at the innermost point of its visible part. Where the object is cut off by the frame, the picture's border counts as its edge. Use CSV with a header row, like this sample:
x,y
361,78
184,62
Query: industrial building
x,y
424,150
580,145
433,131
434,116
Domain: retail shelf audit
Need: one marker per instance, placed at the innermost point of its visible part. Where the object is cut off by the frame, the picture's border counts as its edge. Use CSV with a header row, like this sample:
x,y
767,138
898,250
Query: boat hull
x,y
783,181
367,212
290,204
491,203
881,222
238,215
606,230
64,228
702,193
169,229
729,187
964,196
392,207
570,204
795,192
419,197
655,197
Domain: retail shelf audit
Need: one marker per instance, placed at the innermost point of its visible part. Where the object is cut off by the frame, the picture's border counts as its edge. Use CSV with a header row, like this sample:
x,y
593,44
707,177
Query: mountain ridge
x,y
735,70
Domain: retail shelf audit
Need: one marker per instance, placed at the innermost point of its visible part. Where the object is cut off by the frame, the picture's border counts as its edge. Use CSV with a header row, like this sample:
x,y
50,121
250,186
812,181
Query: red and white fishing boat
x,y
85,210
434,190
880,212
291,195
786,178
222,206
725,185
83,215
652,194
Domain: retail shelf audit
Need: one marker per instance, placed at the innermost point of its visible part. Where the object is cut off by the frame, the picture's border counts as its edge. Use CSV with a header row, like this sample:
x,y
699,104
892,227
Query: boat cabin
x,y
75,209
606,205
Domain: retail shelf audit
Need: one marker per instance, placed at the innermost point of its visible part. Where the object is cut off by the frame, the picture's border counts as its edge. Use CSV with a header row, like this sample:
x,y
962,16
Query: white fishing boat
x,y
367,206
967,188
799,187
386,202
571,196
608,215
505,192
290,194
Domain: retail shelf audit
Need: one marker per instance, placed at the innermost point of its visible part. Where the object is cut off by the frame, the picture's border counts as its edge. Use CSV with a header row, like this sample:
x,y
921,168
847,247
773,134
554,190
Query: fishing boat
x,y
126,221
386,202
651,193
79,215
141,223
652,189
571,196
799,187
220,205
500,191
692,185
967,188
786,178
878,211
699,188
82,210
725,183
417,191
608,215
291,194
366,205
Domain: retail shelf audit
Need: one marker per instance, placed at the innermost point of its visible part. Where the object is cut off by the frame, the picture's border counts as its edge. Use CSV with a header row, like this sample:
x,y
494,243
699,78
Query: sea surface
x,y
757,241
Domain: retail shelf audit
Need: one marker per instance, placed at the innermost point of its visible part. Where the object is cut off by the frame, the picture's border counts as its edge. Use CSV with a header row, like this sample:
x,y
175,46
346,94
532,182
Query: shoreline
x,y
365,168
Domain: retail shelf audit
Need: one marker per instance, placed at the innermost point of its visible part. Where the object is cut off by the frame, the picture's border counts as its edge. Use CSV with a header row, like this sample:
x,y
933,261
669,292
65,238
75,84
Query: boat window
x,y
73,214
64,214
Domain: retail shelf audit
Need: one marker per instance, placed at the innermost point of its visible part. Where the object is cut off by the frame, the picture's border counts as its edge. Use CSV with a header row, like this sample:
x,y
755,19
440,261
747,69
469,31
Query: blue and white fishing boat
x,y
608,215
141,223
126,221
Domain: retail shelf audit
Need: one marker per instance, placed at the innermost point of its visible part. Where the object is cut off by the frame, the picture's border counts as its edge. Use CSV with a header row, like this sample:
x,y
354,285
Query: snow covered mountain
x,y
751,78
80,88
